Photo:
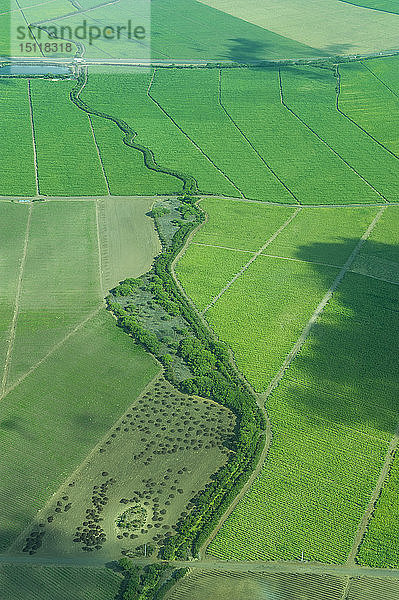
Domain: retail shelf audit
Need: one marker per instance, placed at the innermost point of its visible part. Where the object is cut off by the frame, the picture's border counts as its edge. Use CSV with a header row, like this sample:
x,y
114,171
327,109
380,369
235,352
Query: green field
x,y
68,163
311,94
257,586
367,101
264,334
329,437
384,5
56,339
380,544
16,144
309,169
332,419
126,97
24,582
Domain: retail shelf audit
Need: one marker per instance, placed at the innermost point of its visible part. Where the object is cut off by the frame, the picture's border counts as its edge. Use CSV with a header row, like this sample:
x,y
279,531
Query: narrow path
x,y
13,327
347,588
32,123
272,171
298,345
324,141
254,257
346,116
368,515
208,158
99,154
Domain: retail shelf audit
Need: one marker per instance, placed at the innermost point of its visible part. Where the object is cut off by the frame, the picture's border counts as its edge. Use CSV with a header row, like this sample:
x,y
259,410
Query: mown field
x,y
24,582
257,586
330,439
56,339
384,5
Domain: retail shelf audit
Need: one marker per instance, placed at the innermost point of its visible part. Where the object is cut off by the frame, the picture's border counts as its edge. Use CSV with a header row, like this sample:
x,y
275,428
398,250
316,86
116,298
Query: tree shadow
x,y
348,369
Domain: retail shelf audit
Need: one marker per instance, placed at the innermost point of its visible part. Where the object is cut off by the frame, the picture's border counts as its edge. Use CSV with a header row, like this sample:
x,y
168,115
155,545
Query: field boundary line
x,y
161,108
348,582
246,138
50,352
379,78
99,154
100,260
32,124
341,112
320,308
324,141
13,327
253,258
369,513
311,262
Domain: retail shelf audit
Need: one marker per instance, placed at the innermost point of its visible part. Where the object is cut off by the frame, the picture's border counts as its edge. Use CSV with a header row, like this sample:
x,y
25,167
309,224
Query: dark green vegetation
x,y
195,363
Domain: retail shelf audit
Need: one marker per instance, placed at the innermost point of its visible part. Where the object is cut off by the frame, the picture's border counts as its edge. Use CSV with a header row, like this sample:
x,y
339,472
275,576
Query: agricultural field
x,y
137,482
68,164
332,27
16,141
380,545
311,94
300,265
384,5
55,336
285,268
367,101
241,586
24,582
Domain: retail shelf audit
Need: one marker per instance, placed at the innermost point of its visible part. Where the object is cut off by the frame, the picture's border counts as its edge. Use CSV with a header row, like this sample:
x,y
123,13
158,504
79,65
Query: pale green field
x,y
333,27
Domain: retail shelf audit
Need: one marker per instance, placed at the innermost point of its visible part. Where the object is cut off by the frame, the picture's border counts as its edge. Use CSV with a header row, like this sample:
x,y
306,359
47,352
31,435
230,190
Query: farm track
x,y
251,144
100,260
341,112
254,257
13,327
161,108
368,515
320,308
32,123
324,141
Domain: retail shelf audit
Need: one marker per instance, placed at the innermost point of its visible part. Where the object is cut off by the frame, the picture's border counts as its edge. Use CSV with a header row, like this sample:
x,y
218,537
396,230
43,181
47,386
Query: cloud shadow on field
x,y
245,50
347,370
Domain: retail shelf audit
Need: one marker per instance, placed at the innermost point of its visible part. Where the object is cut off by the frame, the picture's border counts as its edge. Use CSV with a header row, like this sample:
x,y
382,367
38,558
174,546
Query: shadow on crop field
x,y
347,370
245,50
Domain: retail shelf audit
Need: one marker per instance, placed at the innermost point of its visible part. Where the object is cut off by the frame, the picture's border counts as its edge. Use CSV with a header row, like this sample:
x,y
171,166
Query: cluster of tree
x,y
145,583
126,287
